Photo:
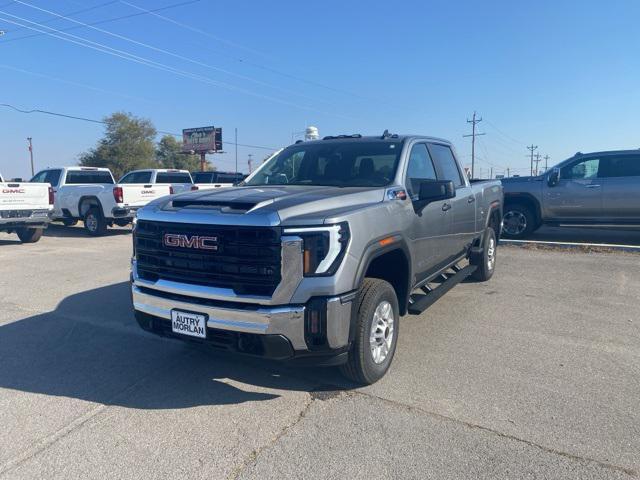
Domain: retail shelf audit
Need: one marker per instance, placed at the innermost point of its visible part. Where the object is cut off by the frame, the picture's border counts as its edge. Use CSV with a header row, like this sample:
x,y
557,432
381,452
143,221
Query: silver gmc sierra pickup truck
x,y
317,254
600,189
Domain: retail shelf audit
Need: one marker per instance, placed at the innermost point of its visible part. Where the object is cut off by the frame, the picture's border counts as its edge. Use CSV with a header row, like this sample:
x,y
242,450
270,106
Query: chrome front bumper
x,y
285,320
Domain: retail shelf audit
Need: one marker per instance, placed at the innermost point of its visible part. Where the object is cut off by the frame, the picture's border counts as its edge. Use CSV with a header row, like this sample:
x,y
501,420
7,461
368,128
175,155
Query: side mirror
x,y
433,191
554,177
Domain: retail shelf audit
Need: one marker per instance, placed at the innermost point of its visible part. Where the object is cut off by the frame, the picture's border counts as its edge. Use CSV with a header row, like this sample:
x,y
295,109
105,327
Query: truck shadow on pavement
x,y
90,348
59,230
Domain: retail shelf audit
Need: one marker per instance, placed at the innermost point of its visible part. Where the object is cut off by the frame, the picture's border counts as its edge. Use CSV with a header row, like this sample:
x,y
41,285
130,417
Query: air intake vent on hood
x,y
222,205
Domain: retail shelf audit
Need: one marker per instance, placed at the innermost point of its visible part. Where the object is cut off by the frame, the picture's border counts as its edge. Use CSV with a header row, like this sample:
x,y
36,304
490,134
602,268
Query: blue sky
x,y
562,75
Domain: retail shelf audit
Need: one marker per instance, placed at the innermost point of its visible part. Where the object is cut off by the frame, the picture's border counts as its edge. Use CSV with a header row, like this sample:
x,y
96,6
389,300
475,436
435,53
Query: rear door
x,y
430,228
463,206
621,187
578,194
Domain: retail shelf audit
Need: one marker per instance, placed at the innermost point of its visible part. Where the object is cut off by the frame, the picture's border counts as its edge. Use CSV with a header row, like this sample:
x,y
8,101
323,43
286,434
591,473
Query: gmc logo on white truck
x,y
13,190
185,241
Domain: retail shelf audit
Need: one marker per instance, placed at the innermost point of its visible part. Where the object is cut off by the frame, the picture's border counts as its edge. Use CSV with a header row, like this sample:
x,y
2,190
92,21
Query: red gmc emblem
x,y
13,190
194,241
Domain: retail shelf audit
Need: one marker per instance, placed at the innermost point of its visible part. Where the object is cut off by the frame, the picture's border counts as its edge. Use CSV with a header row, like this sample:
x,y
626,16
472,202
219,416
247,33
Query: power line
x,y
99,22
102,122
243,60
166,52
150,63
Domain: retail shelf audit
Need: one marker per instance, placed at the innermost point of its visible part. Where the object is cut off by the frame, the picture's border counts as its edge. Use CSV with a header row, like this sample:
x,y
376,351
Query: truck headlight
x,y
323,247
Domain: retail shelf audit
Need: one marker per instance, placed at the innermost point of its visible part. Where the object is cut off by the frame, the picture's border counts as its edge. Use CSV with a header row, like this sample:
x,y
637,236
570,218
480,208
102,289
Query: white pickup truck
x,y
209,180
25,208
91,194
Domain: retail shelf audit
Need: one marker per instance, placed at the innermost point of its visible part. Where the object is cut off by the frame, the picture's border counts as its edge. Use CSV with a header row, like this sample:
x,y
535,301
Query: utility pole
x,y
473,136
508,172
250,161
236,150
491,174
532,148
203,160
31,155
537,162
546,162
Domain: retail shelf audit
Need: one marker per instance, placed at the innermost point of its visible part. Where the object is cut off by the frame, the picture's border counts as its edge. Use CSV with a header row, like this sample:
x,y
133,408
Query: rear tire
x,y
376,334
29,235
487,261
94,222
518,221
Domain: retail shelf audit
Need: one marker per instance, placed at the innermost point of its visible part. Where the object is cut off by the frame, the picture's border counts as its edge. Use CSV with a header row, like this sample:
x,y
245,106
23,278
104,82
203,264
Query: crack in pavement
x,y
618,468
253,456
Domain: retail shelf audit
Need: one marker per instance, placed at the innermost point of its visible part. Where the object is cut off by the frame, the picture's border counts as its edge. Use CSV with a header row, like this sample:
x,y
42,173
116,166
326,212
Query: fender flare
x,y
374,250
90,198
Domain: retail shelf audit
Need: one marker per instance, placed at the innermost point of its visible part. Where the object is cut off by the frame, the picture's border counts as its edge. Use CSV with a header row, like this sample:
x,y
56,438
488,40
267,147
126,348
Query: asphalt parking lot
x,y
535,374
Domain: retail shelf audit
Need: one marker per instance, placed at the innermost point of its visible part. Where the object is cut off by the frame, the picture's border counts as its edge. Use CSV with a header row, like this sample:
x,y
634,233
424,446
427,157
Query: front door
x,y
431,226
578,194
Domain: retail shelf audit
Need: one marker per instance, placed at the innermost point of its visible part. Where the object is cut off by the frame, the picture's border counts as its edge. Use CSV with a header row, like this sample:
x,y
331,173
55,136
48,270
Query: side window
x,y
39,177
420,168
136,177
582,170
53,177
446,164
620,166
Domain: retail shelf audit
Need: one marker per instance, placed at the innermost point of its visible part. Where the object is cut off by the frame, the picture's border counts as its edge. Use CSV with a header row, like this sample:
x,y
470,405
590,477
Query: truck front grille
x,y
244,259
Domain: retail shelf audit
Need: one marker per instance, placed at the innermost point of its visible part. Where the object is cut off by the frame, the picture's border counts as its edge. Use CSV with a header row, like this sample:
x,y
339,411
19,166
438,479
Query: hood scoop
x,y
223,206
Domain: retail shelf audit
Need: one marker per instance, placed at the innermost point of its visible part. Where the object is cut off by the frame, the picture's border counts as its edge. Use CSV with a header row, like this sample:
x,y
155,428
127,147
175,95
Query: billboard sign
x,y
202,139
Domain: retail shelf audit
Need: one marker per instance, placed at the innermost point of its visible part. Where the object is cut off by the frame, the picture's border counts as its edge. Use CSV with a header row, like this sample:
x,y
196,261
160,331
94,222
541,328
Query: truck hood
x,y
263,205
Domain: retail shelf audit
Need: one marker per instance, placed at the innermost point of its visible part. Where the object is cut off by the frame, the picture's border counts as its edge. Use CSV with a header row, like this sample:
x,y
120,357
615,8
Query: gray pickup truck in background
x,y
600,189
317,254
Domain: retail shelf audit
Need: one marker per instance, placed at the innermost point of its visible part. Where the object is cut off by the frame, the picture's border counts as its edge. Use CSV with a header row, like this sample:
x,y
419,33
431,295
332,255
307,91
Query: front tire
x,y
487,261
376,333
518,221
94,223
29,235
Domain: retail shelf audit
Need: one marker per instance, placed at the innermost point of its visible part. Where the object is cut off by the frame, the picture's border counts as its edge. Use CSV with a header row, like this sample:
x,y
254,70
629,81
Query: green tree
x,y
128,144
169,156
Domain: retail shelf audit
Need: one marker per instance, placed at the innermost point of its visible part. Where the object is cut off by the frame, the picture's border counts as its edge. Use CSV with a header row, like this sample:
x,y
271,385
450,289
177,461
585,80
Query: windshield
x,y
341,164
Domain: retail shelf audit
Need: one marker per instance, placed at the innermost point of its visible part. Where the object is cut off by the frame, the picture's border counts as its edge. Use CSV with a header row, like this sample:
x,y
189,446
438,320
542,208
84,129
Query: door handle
x,y
592,186
446,207
471,199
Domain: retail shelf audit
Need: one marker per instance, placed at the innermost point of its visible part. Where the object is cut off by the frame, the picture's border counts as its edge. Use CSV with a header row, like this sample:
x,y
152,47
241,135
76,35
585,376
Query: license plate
x,y
187,323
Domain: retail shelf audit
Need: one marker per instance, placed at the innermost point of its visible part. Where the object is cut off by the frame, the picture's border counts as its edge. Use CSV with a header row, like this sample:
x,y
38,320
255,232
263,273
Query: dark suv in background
x,y
600,189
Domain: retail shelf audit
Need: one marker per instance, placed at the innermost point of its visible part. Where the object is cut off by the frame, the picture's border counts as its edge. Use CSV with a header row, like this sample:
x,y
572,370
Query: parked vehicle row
x,y
25,208
208,180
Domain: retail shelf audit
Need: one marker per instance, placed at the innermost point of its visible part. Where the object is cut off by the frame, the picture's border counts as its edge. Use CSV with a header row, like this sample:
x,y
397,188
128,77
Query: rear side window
x,y
168,177
420,168
203,177
136,177
88,177
446,164
53,177
227,178
620,166
39,177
